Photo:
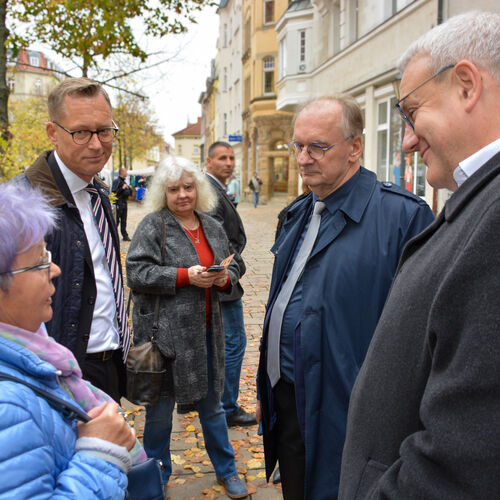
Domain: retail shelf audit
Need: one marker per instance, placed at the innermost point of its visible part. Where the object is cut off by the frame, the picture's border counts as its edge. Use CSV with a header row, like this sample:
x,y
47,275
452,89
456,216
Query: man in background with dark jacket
x,y
220,166
122,191
89,315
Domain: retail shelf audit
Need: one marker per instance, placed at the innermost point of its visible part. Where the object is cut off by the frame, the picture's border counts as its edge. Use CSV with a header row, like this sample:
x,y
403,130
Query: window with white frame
x,y
225,124
336,27
34,59
179,149
393,165
282,58
372,13
224,83
268,11
268,66
302,46
38,86
11,83
224,36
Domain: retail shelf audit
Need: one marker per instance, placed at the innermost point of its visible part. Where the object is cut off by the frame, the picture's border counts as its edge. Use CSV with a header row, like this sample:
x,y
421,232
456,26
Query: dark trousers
x,y
291,449
103,374
121,218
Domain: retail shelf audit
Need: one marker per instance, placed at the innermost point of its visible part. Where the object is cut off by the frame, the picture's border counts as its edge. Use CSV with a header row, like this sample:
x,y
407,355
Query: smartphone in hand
x,y
215,269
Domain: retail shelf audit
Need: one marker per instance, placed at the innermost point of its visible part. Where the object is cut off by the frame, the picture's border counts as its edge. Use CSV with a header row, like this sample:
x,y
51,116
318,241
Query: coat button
x,y
387,184
91,301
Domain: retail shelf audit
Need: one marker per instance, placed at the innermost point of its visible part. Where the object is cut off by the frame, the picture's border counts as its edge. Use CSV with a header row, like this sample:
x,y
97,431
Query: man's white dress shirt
x,y
104,334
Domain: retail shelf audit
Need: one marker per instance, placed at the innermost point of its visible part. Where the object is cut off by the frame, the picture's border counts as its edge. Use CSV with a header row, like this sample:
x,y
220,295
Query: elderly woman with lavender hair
x,y
44,454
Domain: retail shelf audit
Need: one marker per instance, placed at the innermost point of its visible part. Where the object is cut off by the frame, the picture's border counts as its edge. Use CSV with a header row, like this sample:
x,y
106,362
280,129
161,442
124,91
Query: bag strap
x,y
156,325
69,412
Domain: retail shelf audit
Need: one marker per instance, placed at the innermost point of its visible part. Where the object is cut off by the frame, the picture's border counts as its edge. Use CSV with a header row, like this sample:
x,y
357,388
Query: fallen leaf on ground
x,y
254,464
251,489
176,459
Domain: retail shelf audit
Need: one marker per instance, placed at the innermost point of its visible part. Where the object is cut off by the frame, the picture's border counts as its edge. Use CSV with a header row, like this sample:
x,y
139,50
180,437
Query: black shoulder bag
x,y
144,479
146,366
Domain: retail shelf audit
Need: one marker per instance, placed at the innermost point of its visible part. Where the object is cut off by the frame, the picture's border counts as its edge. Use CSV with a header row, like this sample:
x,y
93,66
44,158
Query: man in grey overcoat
x,y
424,415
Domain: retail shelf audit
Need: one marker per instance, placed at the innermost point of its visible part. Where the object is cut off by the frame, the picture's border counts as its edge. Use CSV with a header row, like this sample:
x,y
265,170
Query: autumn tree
x,y
88,32
27,136
138,131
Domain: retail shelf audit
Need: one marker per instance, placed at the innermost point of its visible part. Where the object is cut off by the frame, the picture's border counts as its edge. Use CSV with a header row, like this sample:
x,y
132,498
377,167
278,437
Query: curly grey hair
x,y
171,170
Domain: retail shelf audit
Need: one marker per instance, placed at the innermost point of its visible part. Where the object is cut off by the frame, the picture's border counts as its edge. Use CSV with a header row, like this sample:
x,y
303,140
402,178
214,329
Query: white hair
x,y
474,36
171,170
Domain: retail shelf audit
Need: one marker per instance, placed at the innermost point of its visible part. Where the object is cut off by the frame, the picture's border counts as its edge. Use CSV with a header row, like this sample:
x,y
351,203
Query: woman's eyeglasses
x,y
45,264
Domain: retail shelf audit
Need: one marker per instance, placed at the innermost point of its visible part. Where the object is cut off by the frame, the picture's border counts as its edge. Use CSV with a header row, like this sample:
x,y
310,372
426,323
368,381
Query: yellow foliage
x,y
28,138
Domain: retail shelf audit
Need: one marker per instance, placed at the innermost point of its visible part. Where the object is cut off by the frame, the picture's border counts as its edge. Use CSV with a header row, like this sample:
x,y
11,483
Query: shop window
x,y
406,170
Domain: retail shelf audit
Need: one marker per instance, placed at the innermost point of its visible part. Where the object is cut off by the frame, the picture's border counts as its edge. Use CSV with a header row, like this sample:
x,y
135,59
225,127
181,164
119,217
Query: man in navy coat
x,y
332,312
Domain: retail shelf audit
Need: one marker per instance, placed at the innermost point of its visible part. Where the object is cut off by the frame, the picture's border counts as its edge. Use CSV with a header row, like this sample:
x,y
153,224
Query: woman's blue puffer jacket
x,y
37,458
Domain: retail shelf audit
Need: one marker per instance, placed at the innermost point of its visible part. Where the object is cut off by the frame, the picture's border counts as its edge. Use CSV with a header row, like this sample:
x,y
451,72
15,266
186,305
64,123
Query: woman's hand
x,y
221,278
108,424
198,277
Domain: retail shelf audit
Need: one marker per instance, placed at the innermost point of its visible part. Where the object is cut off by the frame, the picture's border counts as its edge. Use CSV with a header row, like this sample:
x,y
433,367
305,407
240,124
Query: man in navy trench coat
x,y
333,310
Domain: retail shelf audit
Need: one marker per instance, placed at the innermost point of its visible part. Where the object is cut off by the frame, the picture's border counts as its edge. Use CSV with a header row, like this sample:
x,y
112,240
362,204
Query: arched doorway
x,y
280,165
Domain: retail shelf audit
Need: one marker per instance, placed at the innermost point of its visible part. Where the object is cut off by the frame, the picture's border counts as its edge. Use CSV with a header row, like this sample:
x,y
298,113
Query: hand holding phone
x,y
215,269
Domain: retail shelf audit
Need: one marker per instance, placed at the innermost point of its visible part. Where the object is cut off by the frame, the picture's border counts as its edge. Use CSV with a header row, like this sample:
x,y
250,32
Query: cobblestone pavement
x,y
193,476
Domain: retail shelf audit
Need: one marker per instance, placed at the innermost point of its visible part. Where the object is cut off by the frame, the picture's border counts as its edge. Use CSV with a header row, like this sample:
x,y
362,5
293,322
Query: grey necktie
x,y
281,303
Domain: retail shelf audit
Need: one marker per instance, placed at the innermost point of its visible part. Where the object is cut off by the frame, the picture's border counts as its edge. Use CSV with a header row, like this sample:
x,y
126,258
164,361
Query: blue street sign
x,y
235,138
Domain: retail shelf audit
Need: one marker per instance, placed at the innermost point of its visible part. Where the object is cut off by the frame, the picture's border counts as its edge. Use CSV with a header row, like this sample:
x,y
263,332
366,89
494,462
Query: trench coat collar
x,y
360,187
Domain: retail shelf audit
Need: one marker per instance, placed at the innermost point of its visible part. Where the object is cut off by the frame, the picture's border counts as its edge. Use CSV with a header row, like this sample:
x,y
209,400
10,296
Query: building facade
x,y
31,75
352,46
209,117
188,142
229,93
266,130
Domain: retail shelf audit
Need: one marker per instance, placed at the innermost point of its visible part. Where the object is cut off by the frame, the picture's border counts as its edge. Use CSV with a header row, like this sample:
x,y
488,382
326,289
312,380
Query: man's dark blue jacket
x,y
345,283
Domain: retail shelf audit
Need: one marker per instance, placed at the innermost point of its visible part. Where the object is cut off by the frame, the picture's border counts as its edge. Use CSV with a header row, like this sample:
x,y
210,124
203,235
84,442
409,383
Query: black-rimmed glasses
x,y
315,151
82,137
404,116
46,262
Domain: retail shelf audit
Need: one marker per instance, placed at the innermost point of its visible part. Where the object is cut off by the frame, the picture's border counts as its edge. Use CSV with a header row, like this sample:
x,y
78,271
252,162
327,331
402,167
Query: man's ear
x,y
50,128
469,83
357,149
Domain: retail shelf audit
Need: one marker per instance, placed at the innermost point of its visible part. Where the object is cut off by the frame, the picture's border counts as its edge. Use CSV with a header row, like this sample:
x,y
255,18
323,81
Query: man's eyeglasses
x,y
404,116
315,151
81,137
46,261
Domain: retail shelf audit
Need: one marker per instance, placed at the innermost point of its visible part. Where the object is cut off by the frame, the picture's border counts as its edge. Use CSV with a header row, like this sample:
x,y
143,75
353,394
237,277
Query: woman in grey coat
x,y
191,335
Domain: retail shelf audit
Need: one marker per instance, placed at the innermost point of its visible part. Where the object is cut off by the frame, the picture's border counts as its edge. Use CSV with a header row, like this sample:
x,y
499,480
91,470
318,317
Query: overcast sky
x,y
174,90
174,87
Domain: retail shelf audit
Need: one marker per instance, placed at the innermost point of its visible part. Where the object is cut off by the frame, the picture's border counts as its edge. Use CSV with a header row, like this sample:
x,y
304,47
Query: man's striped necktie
x,y
114,267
